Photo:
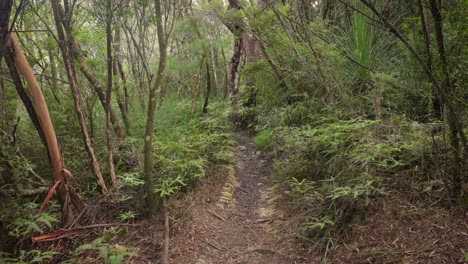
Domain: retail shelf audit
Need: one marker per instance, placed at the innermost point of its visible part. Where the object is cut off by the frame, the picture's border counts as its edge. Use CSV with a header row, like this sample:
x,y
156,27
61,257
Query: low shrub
x,y
185,143
330,164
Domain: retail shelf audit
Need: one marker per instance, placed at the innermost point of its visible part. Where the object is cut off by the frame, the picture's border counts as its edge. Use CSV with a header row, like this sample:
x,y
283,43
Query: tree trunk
x,y
324,7
153,94
53,70
214,67
208,88
5,10
233,69
66,193
118,72
8,52
67,54
456,130
436,104
27,102
98,88
110,156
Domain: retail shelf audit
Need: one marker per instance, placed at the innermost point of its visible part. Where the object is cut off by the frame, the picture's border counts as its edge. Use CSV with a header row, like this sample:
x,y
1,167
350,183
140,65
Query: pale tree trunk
x,y
118,72
53,70
38,111
214,67
27,102
67,54
67,195
110,156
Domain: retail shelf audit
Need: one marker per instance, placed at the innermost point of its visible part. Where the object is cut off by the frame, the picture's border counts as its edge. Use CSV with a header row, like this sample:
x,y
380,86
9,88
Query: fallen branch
x,y
217,215
37,190
267,251
59,234
214,246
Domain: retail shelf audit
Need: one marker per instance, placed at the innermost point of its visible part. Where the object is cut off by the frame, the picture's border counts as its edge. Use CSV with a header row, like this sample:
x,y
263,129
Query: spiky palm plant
x,y
371,48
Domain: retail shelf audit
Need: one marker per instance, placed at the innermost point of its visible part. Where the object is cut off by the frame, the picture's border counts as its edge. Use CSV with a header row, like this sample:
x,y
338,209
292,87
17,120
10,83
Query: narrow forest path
x,y
232,222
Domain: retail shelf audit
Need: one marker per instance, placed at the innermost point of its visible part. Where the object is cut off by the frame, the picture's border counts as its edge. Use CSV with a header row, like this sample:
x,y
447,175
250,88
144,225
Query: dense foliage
x,y
341,96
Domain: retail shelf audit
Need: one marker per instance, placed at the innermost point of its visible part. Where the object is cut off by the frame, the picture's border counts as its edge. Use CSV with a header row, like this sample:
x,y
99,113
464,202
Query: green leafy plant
x,y
302,187
130,215
27,257
111,254
169,186
194,142
30,221
130,179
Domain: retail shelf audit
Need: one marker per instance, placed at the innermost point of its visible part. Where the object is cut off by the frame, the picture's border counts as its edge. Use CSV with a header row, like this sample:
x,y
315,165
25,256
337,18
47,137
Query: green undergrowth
x,y
187,145
331,162
187,142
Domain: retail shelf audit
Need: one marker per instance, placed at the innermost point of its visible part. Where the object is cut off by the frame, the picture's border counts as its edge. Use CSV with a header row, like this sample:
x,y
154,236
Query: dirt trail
x,y
233,222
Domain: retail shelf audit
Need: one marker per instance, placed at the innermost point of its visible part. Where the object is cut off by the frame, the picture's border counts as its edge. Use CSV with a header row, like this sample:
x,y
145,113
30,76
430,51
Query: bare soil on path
x,y
230,221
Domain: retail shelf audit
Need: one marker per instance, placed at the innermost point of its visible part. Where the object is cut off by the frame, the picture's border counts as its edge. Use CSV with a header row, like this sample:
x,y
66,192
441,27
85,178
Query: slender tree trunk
x,y
3,107
153,94
276,69
8,52
110,156
98,88
456,129
208,88
118,73
53,69
324,7
67,54
5,10
436,104
214,67
27,102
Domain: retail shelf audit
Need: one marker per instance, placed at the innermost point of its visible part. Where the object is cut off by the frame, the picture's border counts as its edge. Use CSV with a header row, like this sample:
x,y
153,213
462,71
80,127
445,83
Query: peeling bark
x,y
67,196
